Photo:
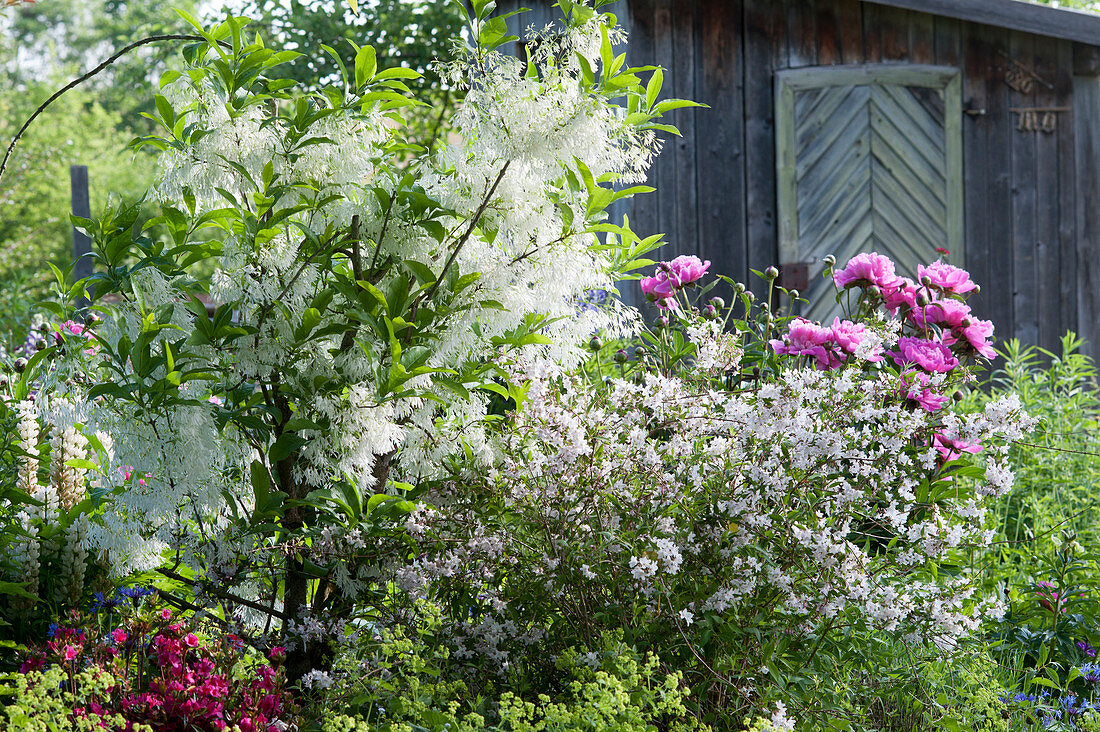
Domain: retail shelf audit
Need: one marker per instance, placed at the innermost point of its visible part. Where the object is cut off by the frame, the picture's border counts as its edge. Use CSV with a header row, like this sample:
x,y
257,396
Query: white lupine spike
x,y
26,554
73,563
28,442
68,481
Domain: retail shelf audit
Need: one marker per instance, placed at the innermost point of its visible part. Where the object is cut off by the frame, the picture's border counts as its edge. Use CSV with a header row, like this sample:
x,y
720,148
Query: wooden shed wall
x,y
716,192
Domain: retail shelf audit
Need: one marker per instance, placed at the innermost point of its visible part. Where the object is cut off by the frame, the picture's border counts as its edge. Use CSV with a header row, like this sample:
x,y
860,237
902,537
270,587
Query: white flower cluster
x,y
63,559
786,497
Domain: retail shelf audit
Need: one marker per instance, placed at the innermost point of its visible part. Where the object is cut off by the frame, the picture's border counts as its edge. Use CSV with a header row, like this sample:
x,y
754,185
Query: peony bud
x,y
661,322
771,273
595,344
710,312
620,356
20,365
718,302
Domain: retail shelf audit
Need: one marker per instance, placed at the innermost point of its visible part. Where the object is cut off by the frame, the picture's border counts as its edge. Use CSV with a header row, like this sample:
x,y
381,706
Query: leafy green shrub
x,y
611,687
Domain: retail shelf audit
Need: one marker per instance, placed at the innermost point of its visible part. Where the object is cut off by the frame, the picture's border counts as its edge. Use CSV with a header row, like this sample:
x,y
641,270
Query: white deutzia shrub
x,y
364,293
729,498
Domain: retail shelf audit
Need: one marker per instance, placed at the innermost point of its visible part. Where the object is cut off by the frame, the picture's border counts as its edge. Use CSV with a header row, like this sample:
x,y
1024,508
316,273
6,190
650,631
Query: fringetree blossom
x,y
364,292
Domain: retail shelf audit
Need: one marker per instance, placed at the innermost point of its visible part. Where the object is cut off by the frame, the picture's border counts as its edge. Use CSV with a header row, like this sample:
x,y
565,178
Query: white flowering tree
x,y
361,294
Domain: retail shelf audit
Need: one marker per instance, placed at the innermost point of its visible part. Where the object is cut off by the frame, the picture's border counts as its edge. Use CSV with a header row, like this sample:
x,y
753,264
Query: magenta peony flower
x,y
929,355
807,339
902,296
658,287
979,334
920,391
951,448
118,635
848,335
868,268
685,269
946,277
944,313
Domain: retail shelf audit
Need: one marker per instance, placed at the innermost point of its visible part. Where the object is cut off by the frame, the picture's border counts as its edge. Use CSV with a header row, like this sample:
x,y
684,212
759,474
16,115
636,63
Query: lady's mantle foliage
x,y
365,286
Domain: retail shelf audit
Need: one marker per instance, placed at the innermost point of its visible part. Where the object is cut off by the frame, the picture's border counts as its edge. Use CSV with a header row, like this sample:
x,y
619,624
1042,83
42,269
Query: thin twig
x,y
80,80
223,594
469,231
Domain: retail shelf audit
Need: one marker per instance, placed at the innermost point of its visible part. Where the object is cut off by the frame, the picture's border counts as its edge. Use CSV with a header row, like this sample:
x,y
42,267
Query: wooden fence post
x,y
82,244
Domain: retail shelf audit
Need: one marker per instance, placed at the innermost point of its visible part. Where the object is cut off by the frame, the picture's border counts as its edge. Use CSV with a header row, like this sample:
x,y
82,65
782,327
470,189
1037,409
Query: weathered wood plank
x,y
872,40
1025,283
643,210
922,38
1067,193
850,19
1048,177
82,243
684,228
828,33
892,33
1086,98
978,43
998,177
802,32
763,48
720,169
948,42
1086,59
664,167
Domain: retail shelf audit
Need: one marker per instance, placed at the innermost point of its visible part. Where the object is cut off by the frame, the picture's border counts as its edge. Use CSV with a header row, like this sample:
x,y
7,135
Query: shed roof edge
x,y
1044,20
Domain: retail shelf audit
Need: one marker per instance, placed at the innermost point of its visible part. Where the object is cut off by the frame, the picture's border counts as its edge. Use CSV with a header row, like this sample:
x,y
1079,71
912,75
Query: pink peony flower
x,y
191,640
868,268
902,296
944,313
807,339
685,269
848,335
71,653
919,390
979,335
946,277
952,448
929,355
658,287
118,635
166,614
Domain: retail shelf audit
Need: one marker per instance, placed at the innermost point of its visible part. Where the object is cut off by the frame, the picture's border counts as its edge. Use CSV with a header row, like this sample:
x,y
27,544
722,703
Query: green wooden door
x,y
869,158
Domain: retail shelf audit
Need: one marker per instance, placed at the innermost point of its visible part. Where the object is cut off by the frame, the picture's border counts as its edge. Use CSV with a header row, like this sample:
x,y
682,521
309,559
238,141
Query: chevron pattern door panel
x,y
869,159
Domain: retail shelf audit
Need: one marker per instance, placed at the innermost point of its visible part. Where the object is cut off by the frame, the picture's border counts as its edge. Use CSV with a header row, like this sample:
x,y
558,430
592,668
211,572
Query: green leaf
x,y
285,446
15,589
653,88
366,62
